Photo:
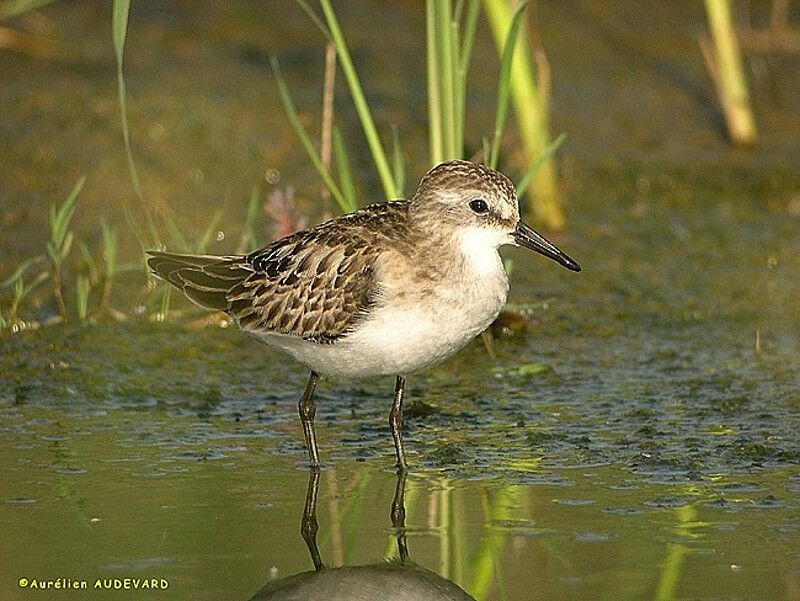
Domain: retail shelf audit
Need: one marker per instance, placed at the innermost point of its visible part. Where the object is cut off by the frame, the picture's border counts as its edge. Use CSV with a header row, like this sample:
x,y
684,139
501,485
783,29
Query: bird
x,y
387,290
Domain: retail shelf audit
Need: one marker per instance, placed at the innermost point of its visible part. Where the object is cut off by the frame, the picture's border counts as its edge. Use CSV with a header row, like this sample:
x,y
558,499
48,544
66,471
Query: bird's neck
x,y
478,250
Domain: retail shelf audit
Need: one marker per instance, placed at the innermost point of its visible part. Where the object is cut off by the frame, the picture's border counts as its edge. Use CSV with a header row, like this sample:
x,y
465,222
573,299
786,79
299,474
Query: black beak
x,y
528,237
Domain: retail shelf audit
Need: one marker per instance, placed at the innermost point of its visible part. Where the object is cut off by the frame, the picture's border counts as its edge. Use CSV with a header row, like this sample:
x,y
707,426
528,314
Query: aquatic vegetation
x,y
19,291
388,180
724,61
531,107
450,32
82,288
60,243
119,22
450,36
305,140
504,86
448,58
248,240
109,253
57,252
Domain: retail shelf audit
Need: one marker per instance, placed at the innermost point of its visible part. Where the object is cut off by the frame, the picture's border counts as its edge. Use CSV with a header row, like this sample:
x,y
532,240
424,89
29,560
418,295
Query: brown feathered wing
x,y
315,284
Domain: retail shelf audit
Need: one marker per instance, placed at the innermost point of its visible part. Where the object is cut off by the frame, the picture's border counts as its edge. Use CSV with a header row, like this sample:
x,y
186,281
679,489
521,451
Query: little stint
x,y
387,290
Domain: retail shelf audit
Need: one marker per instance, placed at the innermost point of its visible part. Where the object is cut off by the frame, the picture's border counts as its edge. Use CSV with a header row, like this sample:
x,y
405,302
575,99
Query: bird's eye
x,y
478,205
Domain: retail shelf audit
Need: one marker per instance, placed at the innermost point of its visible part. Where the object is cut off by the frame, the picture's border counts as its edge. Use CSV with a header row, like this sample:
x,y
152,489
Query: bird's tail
x,y
204,279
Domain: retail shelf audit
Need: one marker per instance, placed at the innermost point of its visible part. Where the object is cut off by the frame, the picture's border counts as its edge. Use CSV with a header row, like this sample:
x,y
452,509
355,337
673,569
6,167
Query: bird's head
x,y
479,204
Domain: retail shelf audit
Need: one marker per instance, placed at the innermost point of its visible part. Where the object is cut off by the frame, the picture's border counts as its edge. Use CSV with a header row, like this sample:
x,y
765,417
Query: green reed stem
x,y
399,161
444,51
109,262
248,241
532,118
119,31
728,73
60,242
504,85
209,232
82,289
470,24
531,171
344,172
305,140
119,22
360,102
436,148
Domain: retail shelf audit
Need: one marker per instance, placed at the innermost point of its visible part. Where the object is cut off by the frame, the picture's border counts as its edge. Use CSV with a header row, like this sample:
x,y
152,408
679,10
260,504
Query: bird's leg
x,y
308,525
307,411
399,515
396,423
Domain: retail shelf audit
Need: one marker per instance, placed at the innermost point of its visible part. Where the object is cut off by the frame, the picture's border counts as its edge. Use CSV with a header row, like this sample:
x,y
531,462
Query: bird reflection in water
x,y
396,580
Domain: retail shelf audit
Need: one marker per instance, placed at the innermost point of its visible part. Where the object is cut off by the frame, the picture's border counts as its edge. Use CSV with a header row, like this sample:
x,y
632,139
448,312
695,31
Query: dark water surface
x,y
628,443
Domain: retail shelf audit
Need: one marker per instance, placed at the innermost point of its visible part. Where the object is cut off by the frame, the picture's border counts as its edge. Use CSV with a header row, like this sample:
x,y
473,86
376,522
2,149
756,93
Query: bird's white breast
x,y
409,330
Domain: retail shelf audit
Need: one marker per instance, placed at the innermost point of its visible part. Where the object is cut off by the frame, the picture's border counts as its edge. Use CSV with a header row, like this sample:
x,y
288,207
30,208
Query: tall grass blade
x,y
458,86
444,51
82,289
60,242
175,234
60,217
19,272
434,91
463,52
91,264
209,232
532,118
727,70
121,8
109,267
249,241
305,140
485,149
504,85
344,172
314,18
109,250
163,312
467,42
399,162
530,172
360,102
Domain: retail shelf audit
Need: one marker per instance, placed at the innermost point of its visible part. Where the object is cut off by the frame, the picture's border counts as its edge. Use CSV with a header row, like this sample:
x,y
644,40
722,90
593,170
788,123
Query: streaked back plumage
x,y
315,284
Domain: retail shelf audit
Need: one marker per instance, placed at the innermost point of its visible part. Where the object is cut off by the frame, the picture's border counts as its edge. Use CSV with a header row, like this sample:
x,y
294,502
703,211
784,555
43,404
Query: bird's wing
x,y
204,279
315,284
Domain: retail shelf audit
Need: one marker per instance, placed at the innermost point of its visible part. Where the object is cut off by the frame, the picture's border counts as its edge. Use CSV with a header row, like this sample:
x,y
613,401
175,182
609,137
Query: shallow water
x,y
214,506
629,442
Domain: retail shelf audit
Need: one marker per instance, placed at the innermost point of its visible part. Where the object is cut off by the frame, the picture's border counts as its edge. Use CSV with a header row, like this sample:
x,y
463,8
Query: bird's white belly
x,y
410,330
401,338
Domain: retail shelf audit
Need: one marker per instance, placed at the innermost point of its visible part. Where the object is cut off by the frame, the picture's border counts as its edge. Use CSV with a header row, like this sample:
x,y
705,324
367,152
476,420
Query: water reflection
x,y
396,580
